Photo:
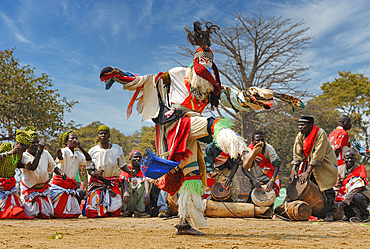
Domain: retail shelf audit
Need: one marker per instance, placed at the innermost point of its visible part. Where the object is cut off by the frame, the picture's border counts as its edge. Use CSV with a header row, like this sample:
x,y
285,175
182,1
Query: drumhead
x,y
263,198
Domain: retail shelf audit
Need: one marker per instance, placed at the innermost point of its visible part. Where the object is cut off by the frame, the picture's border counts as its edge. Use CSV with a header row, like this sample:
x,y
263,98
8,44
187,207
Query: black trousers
x,y
359,204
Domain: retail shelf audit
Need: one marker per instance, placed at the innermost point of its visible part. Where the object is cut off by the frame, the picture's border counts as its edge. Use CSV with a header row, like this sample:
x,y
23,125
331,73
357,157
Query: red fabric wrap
x,y
8,183
12,210
202,71
68,183
360,171
114,180
307,147
171,182
179,151
28,190
265,163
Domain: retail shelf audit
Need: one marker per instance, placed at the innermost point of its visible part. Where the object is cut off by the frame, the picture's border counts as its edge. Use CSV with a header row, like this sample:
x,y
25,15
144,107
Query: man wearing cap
x,y
64,190
136,188
315,160
10,157
104,196
37,163
175,101
339,138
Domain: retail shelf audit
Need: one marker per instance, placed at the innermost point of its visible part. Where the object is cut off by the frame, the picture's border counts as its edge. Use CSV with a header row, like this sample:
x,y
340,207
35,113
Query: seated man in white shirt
x,y
66,197
37,163
105,197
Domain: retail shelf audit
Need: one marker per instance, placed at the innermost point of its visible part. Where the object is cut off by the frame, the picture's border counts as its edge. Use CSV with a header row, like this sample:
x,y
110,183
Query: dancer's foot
x,y
187,230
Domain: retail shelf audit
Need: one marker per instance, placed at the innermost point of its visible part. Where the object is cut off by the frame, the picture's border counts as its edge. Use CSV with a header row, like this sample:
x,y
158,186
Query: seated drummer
x,y
265,166
222,167
352,190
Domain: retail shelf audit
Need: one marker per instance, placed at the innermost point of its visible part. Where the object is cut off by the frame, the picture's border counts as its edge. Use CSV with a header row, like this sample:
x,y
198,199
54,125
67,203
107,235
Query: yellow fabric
x,y
322,157
23,137
103,128
7,169
64,135
32,131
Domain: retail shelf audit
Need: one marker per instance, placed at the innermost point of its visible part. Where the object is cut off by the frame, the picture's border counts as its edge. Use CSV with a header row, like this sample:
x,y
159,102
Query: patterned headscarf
x,y
32,131
132,152
65,135
23,137
103,128
205,53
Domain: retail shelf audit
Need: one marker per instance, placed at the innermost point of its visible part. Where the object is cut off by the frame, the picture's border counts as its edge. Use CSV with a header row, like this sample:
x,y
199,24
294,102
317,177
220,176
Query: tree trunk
x,y
247,128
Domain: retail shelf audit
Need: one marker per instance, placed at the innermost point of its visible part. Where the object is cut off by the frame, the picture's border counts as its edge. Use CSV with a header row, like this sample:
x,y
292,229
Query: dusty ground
x,y
159,233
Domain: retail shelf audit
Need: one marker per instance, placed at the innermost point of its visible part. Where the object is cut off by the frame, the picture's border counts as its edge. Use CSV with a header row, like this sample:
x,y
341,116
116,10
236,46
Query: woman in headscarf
x,y
37,163
64,192
11,206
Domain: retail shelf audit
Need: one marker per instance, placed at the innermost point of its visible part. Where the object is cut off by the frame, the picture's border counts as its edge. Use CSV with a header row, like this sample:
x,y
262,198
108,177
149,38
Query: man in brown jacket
x,y
315,159
351,188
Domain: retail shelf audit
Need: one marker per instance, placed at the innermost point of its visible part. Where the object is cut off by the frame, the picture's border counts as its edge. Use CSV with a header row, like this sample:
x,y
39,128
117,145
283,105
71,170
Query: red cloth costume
x,y
11,206
268,168
338,139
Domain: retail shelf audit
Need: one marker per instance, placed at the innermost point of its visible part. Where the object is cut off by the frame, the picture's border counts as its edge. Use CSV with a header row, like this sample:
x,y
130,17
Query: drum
x,y
309,193
219,191
295,210
262,198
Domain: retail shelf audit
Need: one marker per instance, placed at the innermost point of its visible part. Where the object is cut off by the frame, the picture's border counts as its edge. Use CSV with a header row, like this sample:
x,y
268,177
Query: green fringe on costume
x,y
223,123
192,187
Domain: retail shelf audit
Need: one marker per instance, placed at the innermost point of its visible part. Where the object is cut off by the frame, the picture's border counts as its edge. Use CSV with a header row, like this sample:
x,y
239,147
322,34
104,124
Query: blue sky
x,y
73,40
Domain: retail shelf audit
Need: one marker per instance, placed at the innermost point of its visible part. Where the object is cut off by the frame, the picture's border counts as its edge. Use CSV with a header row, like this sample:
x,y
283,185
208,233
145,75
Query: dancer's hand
x,y
257,184
228,182
126,198
59,154
293,175
99,173
146,199
17,150
41,146
269,186
304,177
64,176
213,174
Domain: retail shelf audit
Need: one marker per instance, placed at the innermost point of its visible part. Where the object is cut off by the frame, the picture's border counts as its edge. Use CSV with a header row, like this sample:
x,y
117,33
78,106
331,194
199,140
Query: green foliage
x,y
26,99
350,95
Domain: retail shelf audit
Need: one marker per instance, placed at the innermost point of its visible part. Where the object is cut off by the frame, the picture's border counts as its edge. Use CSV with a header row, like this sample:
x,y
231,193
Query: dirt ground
x,y
159,233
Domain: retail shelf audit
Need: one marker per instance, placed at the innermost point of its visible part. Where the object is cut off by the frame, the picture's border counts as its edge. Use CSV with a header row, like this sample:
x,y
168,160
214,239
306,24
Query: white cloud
x,y
13,29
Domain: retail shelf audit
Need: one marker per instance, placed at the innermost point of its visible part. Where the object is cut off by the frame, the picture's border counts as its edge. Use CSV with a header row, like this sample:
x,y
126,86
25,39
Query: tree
x,y
350,94
145,138
262,52
29,100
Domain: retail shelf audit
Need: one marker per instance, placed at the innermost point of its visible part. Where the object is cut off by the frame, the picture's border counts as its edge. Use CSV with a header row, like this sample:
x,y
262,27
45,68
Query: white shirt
x,y
41,175
71,161
111,160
